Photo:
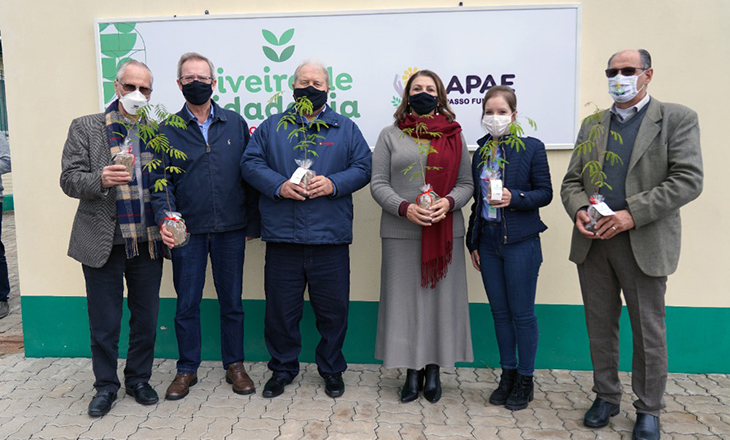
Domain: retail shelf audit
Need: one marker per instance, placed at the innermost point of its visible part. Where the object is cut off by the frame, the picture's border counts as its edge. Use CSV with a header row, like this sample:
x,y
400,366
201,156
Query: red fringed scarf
x,y
437,240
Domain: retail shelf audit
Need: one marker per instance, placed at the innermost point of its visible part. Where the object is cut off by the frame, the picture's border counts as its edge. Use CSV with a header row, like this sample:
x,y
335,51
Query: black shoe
x,y
334,386
101,403
275,386
432,385
600,413
414,382
143,393
4,309
522,393
506,382
646,427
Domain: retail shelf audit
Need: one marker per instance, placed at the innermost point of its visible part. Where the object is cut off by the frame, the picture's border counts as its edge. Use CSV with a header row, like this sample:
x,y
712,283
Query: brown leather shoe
x,y
180,386
242,384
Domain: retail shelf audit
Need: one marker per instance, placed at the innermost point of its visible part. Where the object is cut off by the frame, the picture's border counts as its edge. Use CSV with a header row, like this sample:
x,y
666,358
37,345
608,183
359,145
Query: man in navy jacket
x,y
307,228
220,214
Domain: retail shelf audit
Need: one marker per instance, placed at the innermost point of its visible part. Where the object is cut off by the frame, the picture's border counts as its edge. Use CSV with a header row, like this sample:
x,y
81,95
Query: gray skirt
x,y
419,326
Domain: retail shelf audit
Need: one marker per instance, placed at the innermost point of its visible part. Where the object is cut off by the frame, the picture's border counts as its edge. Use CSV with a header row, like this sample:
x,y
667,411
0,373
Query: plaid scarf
x,y
128,206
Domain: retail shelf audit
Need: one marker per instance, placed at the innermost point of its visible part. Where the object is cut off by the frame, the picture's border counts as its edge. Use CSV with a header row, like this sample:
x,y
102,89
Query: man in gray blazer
x,y
635,249
115,237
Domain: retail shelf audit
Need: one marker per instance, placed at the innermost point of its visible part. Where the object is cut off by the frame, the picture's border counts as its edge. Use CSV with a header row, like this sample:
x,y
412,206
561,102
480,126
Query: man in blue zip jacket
x,y
307,227
220,213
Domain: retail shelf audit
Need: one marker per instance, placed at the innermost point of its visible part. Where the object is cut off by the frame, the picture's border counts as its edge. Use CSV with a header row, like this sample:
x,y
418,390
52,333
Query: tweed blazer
x,y
664,173
85,154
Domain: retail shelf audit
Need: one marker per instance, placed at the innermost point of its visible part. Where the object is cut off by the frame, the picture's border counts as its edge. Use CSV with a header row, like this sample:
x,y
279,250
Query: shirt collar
x,y
625,113
210,115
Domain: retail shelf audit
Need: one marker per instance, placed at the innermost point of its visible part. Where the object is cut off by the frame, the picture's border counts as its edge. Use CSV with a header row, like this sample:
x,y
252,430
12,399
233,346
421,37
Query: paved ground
x,y
48,398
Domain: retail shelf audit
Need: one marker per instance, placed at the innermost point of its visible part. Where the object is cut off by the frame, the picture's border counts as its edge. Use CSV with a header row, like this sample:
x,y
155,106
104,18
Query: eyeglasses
x,y
626,71
131,88
187,79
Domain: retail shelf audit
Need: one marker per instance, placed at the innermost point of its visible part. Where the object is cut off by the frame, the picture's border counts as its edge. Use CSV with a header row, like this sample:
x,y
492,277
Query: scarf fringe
x,y
435,270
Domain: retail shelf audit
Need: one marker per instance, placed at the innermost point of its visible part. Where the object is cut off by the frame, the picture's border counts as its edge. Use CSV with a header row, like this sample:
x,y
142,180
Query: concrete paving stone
x,y
691,386
475,397
45,409
9,425
293,429
370,378
274,409
548,419
491,421
155,434
366,410
580,400
125,428
238,434
256,409
466,375
28,429
219,428
412,431
60,432
258,425
526,419
704,381
389,417
353,427
434,414
573,420
546,434
563,376
100,426
682,423
195,429
364,367
351,436
316,430
700,404
388,431
559,400
343,411
715,423
582,435
455,414
674,389
447,431
540,402
484,432
507,433
358,394
71,420
127,406
78,408
303,414
305,391
488,411
318,405
217,411
543,377
153,422
400,408
351,378
623,422
227,399
18,407
560,387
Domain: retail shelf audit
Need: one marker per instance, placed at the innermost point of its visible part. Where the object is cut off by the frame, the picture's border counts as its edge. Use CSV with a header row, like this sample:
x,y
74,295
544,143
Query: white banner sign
x,y
370,56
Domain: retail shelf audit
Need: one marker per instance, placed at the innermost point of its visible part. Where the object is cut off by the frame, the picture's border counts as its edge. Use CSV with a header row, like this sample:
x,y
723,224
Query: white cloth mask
x,y
623,88
133,101
496,125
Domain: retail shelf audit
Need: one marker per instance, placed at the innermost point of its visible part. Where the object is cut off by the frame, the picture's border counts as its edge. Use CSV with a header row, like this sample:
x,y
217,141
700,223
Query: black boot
x,y
409,393
522,392
506,382
432,387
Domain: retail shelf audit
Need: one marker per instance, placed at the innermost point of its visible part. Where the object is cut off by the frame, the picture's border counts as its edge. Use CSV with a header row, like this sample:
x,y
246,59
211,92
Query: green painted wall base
x,y
8,203
699,338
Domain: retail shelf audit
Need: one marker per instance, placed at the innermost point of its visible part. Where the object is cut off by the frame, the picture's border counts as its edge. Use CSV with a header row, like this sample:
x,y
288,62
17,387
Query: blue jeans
x,y
290,268
226,250
4,281
509,272
104,297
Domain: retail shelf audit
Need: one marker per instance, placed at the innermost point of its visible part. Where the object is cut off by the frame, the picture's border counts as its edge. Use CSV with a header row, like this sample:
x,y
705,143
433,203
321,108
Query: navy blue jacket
x,y
343,156
527,176
210,194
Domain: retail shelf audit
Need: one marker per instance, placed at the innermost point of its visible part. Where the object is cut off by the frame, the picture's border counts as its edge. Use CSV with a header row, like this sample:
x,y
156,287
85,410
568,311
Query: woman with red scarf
x,y
423,319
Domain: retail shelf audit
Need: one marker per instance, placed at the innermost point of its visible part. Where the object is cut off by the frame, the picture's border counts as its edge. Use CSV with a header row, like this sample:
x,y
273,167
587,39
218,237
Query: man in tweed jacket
x,y
635,249
106,249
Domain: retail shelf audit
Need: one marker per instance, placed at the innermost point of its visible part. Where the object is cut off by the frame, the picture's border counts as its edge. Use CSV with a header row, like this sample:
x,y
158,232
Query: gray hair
x,y
194,56
317,64
644,55
123,67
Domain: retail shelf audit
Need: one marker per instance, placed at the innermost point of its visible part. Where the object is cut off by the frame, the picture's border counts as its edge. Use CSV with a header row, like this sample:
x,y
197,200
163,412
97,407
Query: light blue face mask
x,y
623,88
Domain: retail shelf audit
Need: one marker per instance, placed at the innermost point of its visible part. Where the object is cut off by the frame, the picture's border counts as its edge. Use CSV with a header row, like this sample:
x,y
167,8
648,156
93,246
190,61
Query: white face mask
x,y
133,101
623,88
496,125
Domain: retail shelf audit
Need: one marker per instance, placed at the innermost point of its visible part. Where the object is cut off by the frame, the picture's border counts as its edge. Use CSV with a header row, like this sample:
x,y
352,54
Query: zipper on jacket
x,y
504,179
207,147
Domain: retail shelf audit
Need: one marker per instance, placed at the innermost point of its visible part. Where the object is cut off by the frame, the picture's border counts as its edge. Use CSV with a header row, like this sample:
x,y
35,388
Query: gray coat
x,y
664,174
389,186
85,154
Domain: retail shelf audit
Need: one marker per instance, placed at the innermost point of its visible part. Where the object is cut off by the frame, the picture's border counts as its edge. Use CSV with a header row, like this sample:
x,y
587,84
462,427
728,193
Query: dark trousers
x,y
226,250
509,273
610,268
4,281
325,270
104,294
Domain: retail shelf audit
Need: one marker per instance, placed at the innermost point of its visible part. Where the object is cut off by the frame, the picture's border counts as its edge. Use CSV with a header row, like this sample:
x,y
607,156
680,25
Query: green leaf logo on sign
x,y
119,42
271,38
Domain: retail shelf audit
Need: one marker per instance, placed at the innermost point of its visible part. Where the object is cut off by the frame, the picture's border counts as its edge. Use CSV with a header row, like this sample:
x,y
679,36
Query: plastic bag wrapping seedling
x,y
597,204
126,157
174,223
304,173
427,197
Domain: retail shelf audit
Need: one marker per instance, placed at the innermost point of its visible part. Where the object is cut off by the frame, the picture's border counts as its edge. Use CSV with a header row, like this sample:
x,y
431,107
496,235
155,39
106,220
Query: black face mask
x,y
423,103
197,93
316,96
